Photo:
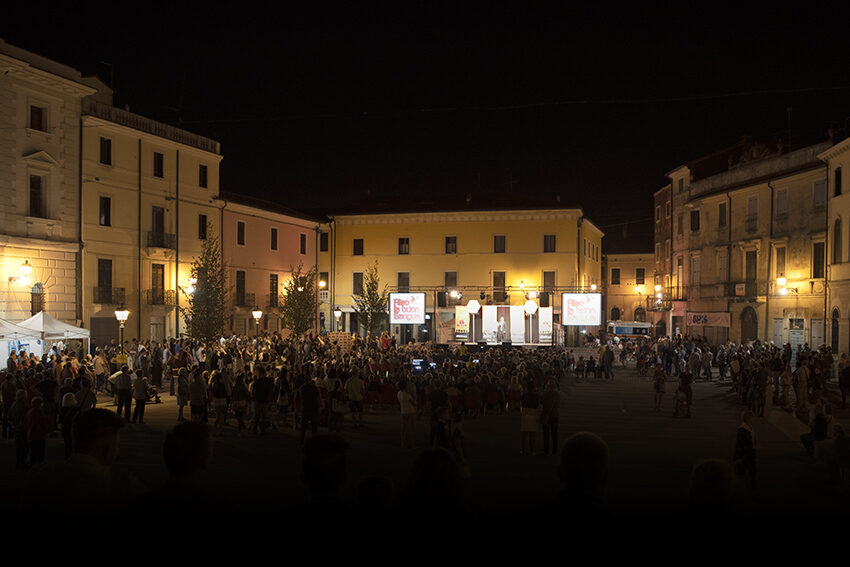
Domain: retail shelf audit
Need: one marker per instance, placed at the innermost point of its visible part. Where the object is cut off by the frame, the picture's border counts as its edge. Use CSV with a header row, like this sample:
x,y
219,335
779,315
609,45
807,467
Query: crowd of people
x,y
269,382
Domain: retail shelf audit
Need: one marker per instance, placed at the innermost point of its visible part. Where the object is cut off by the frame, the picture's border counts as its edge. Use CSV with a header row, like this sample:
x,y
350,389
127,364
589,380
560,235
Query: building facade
x,y
261,244
837,160
148,205
40,105
495,257
749,251
629,281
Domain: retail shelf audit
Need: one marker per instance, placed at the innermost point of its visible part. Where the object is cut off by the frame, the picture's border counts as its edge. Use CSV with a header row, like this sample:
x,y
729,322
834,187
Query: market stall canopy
x,y
48,328
11,332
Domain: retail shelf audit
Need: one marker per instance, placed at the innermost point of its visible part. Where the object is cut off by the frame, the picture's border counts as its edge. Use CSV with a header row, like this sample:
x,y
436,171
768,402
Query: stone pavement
x,y
651,454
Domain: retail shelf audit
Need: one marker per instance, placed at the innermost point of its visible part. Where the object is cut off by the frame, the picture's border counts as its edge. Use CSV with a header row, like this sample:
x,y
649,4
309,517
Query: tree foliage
x,y
372,305
208,308
299,302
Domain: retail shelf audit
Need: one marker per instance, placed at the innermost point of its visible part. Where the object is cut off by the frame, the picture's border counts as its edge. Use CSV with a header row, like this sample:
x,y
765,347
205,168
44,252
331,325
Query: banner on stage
x,y
407,308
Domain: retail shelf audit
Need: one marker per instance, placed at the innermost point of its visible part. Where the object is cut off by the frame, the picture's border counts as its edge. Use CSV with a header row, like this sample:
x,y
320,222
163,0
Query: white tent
x,y
51,329
11,332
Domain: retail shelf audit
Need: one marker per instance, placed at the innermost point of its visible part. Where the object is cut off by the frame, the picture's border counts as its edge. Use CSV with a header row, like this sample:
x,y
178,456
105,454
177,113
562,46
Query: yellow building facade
x,y
148,206
495,257
629,280
749,247
837,161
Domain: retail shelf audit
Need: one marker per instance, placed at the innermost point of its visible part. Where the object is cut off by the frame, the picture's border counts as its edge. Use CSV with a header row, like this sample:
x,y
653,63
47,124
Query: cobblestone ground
x,y
652,454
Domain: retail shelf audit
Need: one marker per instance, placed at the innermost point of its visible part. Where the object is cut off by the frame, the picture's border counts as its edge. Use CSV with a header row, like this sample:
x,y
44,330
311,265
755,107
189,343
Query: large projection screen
x,y
407,308
583,309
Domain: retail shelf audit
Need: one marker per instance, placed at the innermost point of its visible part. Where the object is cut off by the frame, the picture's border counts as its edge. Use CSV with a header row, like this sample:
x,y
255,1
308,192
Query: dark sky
x,y
316,109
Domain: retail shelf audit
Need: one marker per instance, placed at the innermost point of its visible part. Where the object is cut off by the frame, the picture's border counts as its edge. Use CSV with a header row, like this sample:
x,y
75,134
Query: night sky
x,y
319,110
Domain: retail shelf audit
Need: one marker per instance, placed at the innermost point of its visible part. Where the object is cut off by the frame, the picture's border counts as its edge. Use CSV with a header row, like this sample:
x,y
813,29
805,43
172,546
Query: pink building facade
x,y
261,243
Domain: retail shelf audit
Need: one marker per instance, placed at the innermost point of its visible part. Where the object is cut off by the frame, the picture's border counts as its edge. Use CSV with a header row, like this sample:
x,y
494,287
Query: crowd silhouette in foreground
x,y
260,382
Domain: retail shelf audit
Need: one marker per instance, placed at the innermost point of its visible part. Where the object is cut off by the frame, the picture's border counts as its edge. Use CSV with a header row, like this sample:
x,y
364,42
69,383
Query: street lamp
x,y
337,315
530,310
472,308
781,281
23,279
258,314
121,314
593,287
190,289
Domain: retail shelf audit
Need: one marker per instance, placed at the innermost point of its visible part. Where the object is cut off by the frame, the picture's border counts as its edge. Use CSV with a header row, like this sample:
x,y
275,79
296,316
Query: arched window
x,y
835,318
640,314
37,299
836,242
615,314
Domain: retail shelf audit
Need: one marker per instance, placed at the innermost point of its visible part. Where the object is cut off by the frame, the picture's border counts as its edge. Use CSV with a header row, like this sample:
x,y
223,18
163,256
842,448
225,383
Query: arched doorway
x,y
640,314
749,325
615,314
834,336
661,328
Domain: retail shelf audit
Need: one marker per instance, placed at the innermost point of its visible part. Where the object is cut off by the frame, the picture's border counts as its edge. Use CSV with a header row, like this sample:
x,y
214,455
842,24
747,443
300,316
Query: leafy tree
x,y
372,305
208,309
299,301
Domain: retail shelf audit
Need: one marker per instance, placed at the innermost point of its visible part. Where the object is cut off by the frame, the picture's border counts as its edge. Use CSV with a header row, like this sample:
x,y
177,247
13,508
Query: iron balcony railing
x,y
161,240
244,299
159,296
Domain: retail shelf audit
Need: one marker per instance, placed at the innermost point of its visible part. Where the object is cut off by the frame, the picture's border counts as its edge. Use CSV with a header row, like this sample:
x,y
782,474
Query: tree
x,y
371,305
208,310
299,301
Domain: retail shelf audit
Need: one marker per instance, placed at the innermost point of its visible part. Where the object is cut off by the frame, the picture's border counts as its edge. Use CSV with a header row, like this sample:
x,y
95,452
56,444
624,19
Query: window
x,y
548,288
695,221
273,290
105,211
780,261
451,245
667,248
302,245
37,196
158,221
640,314
548,243
450,280
722,265
752,214
38,118
681,185
240,288
403,281
781,202
499,295
105,151
202,227
498,244
667,209
836,242
274,238
657,213
721,215
158,165
240,233
202,176
680,224
657,252
358,246
695,270
818,260
640,276
615,276
323,277
357,283
37,299
819,200
837,181
404,246
323,242
104,280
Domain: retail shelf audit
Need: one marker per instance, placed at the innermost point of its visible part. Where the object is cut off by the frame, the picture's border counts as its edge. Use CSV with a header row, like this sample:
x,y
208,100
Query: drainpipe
x,y
78,263
140,288
316,264
729,259
333,273
827,263
221,243
579,252
767,317
177,246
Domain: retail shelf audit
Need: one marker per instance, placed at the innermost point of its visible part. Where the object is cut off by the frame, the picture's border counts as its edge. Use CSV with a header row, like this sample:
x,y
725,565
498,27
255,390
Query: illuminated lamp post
x,y
121,314
257,313
337,315
530,310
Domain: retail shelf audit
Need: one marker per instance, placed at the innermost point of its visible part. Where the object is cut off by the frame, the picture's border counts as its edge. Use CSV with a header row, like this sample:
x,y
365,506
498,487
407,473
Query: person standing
x,y
608,363
140,395
17,423
530,418
310,399
744,456
549,417
123,387
355,390
408,415
36,427
262,389
659,386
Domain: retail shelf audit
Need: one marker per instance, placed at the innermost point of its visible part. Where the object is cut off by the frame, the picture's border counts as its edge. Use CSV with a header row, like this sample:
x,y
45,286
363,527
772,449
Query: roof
x,y
266,205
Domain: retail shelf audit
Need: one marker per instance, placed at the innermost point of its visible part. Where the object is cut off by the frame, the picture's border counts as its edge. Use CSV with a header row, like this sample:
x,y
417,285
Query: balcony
x,y
159,297
244,299
746,289
108,295
161,240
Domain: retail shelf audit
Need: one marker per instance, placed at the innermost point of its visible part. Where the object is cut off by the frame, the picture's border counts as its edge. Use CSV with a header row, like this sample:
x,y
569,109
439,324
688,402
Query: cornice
x,y
460,216
21,70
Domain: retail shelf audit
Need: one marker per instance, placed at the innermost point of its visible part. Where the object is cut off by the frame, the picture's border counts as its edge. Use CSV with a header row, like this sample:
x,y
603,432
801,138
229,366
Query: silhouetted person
x,y
324,472
434,494
710,494
583,471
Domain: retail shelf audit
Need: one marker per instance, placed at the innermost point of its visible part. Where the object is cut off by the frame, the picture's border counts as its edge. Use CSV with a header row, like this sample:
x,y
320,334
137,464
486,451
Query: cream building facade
x,y
837,160
629,281
498,257
744,219
148,205
40,105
